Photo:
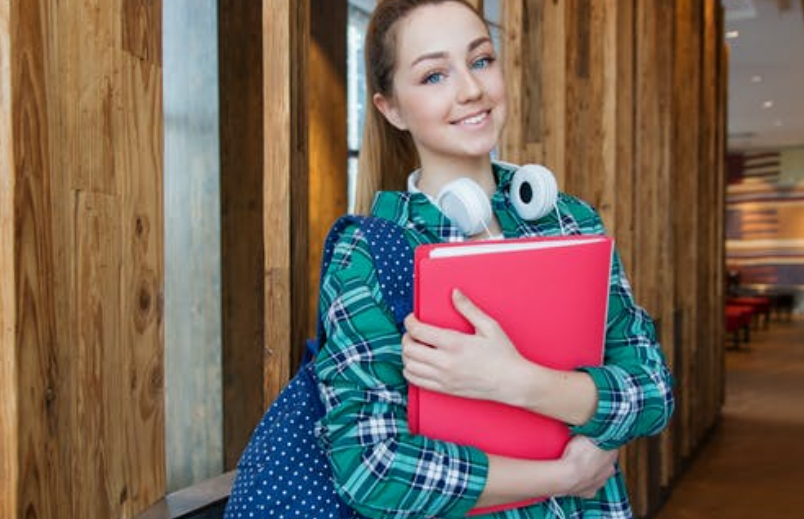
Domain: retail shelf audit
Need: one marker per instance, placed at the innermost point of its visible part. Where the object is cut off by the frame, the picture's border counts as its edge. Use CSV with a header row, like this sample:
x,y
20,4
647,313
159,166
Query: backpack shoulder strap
x,y
392,254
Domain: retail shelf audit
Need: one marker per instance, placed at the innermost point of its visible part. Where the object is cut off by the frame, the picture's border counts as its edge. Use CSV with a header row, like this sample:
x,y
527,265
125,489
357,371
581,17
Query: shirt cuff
x,y
479,462
612,408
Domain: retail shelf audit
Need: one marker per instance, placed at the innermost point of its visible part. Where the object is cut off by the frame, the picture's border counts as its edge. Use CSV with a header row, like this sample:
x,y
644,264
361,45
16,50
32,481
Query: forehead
x,y
447,27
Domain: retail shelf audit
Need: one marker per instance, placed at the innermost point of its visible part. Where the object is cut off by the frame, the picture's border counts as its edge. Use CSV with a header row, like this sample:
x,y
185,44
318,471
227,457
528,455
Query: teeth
x,y
474,120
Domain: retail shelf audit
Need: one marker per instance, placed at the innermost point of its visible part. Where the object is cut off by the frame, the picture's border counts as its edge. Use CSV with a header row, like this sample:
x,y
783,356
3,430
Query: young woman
x,y
438,108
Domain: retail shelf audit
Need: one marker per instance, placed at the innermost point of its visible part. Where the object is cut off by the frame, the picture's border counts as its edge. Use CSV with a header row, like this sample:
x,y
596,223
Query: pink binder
x,y
550,295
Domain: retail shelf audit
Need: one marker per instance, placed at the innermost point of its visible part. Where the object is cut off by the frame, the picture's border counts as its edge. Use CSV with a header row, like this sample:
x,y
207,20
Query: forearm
x,y
568,396
511,480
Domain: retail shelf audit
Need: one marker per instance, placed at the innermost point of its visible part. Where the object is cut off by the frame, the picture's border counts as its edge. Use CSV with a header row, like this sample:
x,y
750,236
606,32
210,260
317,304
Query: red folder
x,y
549,294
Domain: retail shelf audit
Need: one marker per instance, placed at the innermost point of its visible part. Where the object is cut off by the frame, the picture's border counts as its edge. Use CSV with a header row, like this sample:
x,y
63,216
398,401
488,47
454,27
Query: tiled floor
x,y
753,466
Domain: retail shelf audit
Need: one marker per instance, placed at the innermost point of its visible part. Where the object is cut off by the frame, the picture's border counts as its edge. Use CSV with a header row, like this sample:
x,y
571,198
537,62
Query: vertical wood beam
x,y
81,170
652,272
285,188
243,245
9,440
686,181
701,412
328,137
513,140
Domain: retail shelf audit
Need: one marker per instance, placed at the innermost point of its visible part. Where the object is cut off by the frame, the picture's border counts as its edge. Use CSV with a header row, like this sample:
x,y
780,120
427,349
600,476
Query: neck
x,y
435,174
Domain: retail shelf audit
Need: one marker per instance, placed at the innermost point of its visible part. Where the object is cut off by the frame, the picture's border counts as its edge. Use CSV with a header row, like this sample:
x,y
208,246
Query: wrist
x,y
526,387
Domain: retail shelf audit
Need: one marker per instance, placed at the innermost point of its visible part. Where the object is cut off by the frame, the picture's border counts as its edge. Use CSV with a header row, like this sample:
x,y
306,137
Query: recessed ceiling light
x,y
756,78
767,104
730,35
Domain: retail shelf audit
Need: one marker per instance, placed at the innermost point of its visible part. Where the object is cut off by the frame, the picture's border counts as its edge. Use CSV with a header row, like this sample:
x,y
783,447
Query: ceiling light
x,y
767,104
756,78
778,123
730,35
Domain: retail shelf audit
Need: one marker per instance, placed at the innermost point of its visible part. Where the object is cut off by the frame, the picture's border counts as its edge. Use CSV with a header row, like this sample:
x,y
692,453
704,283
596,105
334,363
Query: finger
x,y
433,335
478,318
413,350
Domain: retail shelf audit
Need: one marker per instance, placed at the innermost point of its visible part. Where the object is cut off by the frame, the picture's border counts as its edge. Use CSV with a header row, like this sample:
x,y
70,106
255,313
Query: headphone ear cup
x,y
534,191
465,203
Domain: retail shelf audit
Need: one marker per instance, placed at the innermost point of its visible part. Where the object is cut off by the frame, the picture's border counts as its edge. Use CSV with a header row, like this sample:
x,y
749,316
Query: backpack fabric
x,y
283,472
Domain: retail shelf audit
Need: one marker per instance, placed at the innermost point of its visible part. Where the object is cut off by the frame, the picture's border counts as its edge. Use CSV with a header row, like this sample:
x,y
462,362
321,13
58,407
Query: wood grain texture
x,y
142,29
86,127
242,239
512,140
327,137
42,453
686,177
652,273
285,28
702,401
139,155
9,429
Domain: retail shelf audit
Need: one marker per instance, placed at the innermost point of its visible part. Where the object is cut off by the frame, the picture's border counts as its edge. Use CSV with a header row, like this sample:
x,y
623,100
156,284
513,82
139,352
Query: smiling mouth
x,y
473,120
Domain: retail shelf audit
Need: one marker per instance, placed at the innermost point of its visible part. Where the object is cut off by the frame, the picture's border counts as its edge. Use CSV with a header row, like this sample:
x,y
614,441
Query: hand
x,y
589,465
479,365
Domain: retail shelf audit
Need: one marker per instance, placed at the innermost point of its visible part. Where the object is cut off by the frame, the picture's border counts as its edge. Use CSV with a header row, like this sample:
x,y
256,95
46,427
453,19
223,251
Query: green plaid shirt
x,y
380,468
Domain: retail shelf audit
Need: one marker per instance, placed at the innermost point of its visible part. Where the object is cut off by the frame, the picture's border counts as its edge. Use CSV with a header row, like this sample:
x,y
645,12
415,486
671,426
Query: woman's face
x,y
449,91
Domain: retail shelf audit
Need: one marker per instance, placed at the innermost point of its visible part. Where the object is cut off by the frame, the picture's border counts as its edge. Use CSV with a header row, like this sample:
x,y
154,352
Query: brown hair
x,y
387,154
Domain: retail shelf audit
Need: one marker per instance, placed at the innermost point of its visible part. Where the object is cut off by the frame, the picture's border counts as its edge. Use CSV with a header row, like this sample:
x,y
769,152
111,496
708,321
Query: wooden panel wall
x,y
686,220
328,138
242,141
285,189
619,99
82,174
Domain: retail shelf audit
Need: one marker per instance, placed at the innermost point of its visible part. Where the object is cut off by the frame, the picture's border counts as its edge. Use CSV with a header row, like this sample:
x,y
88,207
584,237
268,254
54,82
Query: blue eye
x,y
482,63
433,78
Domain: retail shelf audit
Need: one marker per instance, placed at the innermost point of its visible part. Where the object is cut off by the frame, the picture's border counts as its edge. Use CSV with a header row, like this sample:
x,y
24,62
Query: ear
x,y
389,110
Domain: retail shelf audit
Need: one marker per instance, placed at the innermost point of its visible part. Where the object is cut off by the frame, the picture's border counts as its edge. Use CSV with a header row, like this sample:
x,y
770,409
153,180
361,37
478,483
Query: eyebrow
x,y
441,55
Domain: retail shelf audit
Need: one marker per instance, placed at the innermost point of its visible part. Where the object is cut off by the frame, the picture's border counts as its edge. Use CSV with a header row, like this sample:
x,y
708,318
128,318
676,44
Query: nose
x,y
469,87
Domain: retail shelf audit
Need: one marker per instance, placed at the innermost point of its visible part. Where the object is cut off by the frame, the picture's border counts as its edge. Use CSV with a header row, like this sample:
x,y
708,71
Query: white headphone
x,y
533,194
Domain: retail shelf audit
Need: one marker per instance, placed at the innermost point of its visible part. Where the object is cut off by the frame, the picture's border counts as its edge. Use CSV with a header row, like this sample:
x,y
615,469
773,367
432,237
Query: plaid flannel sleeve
x,y
380,469
635,395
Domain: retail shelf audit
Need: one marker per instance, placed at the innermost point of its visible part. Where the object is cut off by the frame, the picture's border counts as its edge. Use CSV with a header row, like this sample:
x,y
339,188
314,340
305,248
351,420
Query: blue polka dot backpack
x,y
283,472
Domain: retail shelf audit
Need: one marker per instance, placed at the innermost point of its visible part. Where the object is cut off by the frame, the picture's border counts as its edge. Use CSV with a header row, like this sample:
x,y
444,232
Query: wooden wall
x,y
327,133
625,102
83,421
242,159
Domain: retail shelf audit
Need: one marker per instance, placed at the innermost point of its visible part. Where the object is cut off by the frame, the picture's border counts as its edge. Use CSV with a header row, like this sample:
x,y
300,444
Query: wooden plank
x,y
327,137
142,29
532,77
652,274
97,357
512,140
285,28
622,218
702,406
41,490
553,92
686,181
192,501
139,155
242,239
9,427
